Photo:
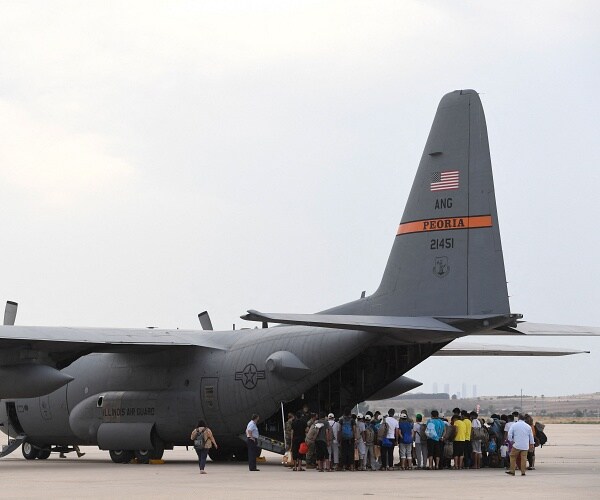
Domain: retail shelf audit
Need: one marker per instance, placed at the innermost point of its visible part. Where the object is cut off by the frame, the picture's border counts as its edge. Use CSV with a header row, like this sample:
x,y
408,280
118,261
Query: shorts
x,y
321,450
476,446
406,450
459,448
434,448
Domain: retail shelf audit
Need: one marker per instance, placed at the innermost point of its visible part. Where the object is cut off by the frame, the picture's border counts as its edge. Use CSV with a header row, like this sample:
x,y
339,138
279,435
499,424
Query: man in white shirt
x,y
476,452
521,436
387,447
252,441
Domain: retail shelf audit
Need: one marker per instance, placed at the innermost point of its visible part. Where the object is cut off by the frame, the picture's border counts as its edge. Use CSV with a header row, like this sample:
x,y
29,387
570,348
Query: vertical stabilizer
x,y
447,257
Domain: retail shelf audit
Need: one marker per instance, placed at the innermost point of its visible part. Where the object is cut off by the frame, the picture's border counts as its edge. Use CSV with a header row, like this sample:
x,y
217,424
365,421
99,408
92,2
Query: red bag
x,y
303,449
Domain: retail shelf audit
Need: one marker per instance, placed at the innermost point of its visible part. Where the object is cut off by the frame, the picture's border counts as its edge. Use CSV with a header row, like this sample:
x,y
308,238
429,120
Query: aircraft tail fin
x,y
447,255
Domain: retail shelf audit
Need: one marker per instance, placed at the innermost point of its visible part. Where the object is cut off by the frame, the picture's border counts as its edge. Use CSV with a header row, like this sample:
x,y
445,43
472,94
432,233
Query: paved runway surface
x,y
567,467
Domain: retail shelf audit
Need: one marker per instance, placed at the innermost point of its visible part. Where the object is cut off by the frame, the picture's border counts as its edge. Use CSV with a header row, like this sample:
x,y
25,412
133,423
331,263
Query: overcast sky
x,y
162,158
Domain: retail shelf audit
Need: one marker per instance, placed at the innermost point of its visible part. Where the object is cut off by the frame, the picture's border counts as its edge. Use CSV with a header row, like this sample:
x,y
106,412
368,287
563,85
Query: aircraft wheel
x,y
43,454
143,456
159,448
29,451
241,454
121,456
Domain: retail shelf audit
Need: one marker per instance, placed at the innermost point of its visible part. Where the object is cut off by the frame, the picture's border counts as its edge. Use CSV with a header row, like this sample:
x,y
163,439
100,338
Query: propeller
x,y
205,320
10,313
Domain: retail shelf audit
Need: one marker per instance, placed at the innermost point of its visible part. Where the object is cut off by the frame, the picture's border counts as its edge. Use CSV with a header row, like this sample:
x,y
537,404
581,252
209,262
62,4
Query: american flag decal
x,y
441,181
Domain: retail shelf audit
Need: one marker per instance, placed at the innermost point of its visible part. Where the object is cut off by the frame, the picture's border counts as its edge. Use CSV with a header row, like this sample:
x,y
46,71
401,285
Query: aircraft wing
x,y
472,349
56,339
31,357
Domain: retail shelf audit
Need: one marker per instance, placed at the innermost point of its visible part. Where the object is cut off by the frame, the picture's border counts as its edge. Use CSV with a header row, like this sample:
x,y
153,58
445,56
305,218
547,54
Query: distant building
x,y
474,390
463,393
435,388
447,388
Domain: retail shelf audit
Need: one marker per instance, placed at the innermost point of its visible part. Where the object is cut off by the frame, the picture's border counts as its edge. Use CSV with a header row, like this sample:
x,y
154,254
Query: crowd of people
x,y
357,442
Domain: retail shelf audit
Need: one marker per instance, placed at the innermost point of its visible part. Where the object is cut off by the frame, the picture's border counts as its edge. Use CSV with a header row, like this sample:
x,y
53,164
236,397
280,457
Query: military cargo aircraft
x,y
137,392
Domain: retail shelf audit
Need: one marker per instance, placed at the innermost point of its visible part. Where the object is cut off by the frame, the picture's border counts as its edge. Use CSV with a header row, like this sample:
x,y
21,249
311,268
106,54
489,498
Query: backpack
x,y
485,436
430,432
311,437
383,430
422,434
369,435
347,432
492,448
498,428
541,437
200,441
449,433
477,433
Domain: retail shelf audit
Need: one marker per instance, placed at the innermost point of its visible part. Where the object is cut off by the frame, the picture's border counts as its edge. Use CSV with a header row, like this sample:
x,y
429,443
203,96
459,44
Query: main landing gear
x,y
142,456
42,452
31,452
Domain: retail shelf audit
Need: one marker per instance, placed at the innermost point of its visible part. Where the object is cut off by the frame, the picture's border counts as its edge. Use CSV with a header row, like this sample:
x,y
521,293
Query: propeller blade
x,y
205,321
10,313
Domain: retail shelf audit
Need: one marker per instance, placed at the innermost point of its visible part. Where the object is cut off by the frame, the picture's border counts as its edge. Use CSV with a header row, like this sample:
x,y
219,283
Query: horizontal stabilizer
x,y
469,349
548,330
379,324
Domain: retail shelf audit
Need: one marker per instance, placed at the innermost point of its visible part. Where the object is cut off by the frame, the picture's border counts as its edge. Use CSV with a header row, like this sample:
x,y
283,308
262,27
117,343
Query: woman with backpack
x,y
203,440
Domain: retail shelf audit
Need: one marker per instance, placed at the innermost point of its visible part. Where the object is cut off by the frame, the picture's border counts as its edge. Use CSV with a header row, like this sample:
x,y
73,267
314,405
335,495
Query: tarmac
x,y
568,466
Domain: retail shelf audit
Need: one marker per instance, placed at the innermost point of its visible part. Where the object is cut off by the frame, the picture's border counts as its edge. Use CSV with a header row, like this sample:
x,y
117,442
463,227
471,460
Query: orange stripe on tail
x,y
445,224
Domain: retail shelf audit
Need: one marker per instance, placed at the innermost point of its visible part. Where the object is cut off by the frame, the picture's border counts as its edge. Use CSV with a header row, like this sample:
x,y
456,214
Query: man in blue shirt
x,y
521,435
434,439
252,440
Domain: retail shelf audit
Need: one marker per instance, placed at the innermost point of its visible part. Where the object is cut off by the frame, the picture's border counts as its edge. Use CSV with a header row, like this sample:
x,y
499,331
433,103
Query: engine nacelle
x,y
106,418
30,381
